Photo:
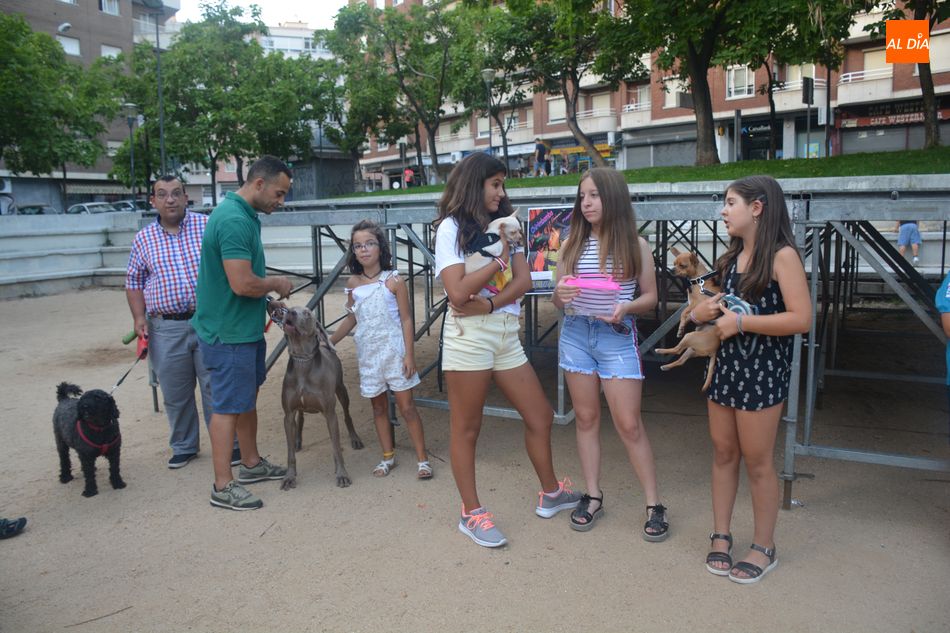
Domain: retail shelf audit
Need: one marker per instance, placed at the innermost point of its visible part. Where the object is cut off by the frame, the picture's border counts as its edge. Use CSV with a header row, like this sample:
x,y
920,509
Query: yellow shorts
x,y
488,341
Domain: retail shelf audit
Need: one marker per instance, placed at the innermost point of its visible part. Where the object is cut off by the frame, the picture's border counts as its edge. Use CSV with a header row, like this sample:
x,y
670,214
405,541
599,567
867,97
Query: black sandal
x,y
11,528
582,511
658,523
753,572
719,557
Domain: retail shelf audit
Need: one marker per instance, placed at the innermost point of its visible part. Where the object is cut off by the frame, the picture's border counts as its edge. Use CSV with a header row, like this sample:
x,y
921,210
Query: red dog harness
x,y
103,448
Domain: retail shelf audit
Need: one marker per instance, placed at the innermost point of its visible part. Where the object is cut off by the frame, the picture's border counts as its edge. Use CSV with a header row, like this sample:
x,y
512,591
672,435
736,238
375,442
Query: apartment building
x,y
87,30
867,105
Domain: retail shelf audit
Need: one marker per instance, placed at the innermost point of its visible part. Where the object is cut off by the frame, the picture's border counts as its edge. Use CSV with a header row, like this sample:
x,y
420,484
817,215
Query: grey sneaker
x,y
565,499
479,527
262,472
234,497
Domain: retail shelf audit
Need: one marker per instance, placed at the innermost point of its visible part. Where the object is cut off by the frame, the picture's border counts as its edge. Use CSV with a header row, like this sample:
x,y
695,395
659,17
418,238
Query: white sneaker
x,y
916,261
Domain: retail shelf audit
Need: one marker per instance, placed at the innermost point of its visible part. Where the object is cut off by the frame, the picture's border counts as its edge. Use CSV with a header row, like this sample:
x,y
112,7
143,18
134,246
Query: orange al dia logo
x,y
908,42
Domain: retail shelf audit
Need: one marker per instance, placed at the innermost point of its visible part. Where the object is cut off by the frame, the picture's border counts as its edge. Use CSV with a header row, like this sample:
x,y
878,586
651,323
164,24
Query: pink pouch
x,y
598,295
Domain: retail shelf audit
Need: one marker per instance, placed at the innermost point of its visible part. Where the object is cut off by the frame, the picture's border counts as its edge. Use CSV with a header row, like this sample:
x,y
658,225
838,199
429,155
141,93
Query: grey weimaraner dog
x,y
312,384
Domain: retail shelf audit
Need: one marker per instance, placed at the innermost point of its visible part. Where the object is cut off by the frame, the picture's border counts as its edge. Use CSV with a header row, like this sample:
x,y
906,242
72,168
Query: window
x,y
557,110
396,3
70,45
109,6
380,4
109,51
672,87
600,104
740,82
795,73
381,146
939,54
112,147
874,60
68,1
482,127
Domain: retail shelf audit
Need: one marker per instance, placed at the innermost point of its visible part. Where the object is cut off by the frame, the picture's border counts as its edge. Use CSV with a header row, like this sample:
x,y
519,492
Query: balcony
x,y
865,85
517,133
454,142
789,97
597,121
636,115
144,31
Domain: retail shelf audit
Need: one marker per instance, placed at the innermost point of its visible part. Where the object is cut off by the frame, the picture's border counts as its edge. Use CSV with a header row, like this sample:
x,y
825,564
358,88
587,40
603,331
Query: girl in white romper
x,y
378,306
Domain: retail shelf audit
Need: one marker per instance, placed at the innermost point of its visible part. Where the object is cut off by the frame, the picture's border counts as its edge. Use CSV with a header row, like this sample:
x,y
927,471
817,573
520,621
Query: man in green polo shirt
x,y
229,320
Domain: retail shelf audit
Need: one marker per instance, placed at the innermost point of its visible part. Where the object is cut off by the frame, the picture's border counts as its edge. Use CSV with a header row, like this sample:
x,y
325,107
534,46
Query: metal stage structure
x,y
834,222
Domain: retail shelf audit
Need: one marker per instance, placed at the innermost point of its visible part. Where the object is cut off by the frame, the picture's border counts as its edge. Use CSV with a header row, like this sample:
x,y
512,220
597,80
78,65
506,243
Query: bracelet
x,y
502,264
739,324
694,319
491,305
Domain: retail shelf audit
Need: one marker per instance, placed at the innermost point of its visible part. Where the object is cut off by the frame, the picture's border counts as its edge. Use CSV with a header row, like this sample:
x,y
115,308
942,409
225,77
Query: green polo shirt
x,y
233,232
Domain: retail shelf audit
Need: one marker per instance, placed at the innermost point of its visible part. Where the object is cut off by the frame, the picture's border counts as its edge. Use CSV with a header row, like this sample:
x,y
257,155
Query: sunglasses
x,y
621,328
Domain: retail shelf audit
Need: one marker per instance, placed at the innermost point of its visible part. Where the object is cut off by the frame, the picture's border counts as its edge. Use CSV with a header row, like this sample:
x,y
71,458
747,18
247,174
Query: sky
x,y
318,14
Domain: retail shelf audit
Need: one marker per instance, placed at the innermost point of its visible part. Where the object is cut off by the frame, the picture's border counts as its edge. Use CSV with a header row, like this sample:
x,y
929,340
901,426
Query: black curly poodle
x,y
89,424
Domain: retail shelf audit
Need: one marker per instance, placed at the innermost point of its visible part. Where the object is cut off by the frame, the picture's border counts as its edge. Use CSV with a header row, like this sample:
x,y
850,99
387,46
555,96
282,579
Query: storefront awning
x,y
98,188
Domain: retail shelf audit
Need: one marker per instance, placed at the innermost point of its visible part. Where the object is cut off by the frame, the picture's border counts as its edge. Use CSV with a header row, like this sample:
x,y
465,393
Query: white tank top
x,y
589,264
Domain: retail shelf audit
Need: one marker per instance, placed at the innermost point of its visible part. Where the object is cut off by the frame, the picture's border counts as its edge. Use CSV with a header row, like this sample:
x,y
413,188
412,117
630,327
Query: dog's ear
x,y
675,251
694,259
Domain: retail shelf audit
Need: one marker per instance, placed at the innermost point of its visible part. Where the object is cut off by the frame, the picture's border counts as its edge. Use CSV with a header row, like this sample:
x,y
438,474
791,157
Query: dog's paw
x,y
356,443
343,481
288,483
90,493
119,484
65,479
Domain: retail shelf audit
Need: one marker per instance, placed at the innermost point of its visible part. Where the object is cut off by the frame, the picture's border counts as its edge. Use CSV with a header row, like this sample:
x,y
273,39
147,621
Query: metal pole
x,y
161,98
131,122
488,115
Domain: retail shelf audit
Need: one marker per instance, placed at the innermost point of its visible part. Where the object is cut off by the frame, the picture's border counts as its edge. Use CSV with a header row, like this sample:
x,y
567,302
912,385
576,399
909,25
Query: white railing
x,y
454,136
796,84
865,75
639,106
590,114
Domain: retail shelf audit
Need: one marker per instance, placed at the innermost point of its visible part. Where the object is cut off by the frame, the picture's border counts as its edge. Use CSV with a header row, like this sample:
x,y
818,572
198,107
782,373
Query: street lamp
x,y
159,5
131,112
488,75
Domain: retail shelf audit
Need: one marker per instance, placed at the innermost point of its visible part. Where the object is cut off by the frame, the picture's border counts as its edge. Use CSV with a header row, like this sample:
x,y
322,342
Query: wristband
x,y
491,305
502,264
739,324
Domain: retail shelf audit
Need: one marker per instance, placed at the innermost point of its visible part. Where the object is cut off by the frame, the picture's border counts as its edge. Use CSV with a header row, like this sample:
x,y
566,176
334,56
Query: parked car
x,y
36,209
91,207
131,205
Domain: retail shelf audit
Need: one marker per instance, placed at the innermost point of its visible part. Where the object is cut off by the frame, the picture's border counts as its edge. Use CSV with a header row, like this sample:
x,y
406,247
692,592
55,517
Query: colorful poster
x,y
547,228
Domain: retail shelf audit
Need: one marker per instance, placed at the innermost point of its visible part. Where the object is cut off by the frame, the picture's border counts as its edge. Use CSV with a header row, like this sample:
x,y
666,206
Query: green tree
x,y
556,51
487,39
687,36
52,111
414,48
791,32
934,11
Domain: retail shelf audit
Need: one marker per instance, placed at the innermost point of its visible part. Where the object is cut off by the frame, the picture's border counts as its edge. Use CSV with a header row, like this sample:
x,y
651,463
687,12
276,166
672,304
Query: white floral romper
x,y
380,347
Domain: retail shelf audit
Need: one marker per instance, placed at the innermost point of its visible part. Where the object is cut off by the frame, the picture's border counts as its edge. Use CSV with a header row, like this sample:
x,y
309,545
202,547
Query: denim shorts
x,y
591,346
908,234
236,372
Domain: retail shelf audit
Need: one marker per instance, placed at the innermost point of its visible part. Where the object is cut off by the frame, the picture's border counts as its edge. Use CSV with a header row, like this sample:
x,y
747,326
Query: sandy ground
x,y
868,551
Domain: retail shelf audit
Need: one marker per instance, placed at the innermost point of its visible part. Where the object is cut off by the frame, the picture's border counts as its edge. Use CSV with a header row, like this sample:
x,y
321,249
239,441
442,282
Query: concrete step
x,y
52,261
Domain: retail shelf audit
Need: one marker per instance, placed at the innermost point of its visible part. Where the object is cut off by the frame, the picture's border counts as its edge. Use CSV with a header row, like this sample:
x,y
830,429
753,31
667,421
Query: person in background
x,y
541,164
908,235
160,285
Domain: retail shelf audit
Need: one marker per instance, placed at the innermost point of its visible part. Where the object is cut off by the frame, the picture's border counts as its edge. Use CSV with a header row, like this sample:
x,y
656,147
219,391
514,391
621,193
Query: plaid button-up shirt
x,y
165,265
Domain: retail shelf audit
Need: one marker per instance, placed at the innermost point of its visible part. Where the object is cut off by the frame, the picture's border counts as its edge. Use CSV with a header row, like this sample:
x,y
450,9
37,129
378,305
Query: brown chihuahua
x,y
704,341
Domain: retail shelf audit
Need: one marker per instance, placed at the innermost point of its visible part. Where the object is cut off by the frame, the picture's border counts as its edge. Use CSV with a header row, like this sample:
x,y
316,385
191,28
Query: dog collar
x,y
103,448
699,280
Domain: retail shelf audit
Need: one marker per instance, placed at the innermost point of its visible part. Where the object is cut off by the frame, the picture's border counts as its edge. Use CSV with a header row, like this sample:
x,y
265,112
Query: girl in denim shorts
x,y
598,342
481,343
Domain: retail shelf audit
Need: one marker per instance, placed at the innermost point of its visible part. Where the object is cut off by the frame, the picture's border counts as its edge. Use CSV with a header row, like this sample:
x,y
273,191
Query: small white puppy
x,y
489,245
506,228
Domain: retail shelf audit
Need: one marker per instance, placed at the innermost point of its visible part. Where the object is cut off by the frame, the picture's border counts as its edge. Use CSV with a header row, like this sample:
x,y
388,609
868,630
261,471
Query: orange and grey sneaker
x,y
550,503
479,527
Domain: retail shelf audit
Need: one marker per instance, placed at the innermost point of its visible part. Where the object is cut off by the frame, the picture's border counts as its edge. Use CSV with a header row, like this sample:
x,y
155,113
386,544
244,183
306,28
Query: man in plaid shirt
x,y
160,287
